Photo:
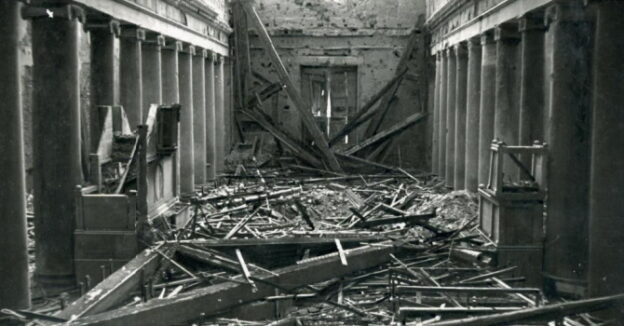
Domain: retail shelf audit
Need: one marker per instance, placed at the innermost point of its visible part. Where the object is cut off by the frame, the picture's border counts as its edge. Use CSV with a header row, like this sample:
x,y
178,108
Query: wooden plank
x,y
221,297
303,108
117,287
395,129
365,113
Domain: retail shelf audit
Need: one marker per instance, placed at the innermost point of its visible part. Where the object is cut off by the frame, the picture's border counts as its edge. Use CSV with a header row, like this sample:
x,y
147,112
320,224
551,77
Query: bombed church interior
x,y
312,162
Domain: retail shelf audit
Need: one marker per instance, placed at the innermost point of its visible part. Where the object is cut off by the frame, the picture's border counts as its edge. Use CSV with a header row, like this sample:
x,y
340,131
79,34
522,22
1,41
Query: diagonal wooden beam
x,y
304,108
365,113
116,288
218,298
377,138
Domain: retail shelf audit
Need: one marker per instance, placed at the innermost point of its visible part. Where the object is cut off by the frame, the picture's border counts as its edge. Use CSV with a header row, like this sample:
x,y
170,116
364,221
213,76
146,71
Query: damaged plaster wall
x,y
369,34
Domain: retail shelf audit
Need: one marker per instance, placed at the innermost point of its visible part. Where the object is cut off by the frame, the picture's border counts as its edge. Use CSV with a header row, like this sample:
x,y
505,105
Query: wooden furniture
x,y
511,212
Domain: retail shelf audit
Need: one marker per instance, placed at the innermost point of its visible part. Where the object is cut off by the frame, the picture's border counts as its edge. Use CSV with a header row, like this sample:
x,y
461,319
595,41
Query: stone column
x,y
103,37
568,137
486,107
507,117
56,143
472,115
606,208
451,86
460,115
170,78
199,116
220,113
130,74
436,115
15,293
532,84
442,118
211,126
186,146
152,71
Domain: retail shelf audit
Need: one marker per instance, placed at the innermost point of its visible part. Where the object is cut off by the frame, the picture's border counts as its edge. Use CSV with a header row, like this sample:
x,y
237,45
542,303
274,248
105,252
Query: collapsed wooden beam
x,y
395,129
365,113
304,109
221,297
550,312
117,287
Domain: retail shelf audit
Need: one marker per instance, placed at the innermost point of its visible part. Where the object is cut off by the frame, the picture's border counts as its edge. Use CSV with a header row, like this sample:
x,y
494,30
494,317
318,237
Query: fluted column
x,y
211,125
486,106
568,138
186,146
436,115
507,117
199,116
152,71
473,99
532,84
442,118
220,113
131,73
606,271
103,36
15,293
56,143
460,115
451,87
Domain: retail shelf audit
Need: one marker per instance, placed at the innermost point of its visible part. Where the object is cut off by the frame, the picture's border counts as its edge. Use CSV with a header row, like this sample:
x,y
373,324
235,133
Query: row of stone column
x,y
478,98
155,70
151,70
554,77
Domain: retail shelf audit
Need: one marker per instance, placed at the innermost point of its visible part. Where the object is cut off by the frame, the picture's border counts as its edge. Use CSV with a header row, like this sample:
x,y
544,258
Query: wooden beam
x,y
395,129
365,113
550,312
298,150
375,124
214,299
116,288
304,108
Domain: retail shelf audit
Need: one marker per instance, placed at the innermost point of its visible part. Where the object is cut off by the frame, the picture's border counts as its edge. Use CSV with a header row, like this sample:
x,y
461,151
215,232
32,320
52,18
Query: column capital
x,y
487,38
173,46
473,42
217,58
188,49
67,11
200,52
154,39
460,49
506,33
111,25
132,32
564,11
531,23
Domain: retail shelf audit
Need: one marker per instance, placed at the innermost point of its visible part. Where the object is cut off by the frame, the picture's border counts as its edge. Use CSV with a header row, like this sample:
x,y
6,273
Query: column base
x,y
53,285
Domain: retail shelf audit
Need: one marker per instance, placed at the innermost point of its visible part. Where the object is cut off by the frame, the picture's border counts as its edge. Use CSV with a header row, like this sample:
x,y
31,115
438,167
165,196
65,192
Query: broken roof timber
x,y
221,297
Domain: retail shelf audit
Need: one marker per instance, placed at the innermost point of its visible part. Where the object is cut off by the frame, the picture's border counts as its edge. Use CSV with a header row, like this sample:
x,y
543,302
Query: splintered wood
x,y
355,250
